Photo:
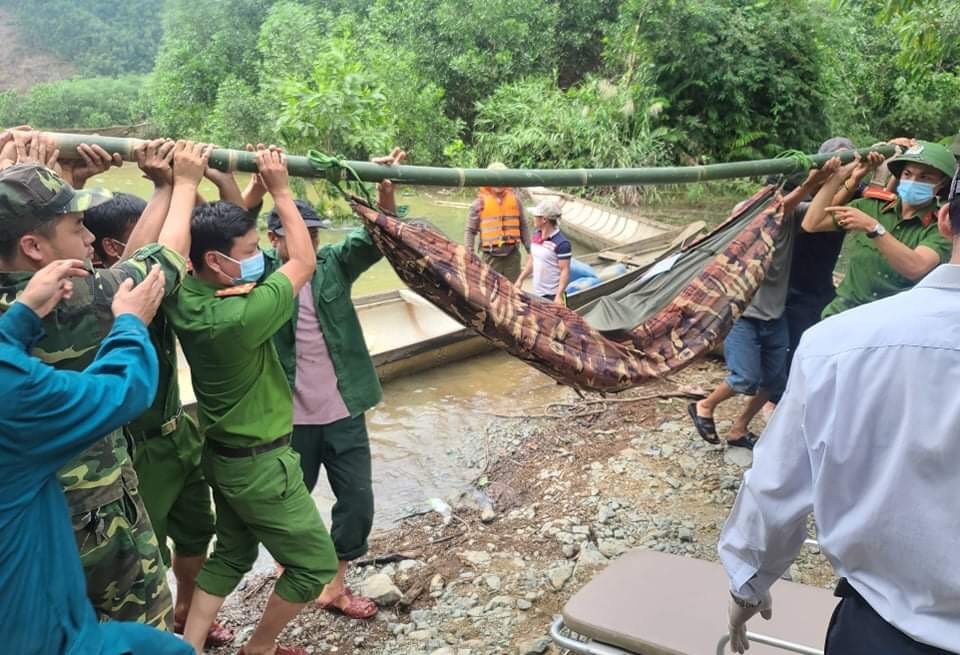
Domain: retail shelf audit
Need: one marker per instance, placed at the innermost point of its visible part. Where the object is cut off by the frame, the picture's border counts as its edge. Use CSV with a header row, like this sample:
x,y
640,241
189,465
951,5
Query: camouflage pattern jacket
x,y
73,332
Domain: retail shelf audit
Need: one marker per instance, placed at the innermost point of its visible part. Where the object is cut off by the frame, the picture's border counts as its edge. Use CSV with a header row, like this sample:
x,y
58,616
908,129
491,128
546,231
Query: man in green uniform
x,y
41,220
334,382
225,320
895,240
165,440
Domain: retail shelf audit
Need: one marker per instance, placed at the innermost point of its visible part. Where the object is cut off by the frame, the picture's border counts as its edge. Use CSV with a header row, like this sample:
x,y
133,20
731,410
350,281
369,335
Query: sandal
x,y
705,426
217,636
283,650
748,441
358,607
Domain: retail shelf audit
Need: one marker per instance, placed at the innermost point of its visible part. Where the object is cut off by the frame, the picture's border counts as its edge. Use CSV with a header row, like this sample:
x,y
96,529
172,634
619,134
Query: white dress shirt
x,y
867,438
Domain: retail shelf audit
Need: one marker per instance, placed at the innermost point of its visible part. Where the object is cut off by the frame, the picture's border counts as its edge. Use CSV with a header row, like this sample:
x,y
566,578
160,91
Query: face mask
x,y
915,193
251,268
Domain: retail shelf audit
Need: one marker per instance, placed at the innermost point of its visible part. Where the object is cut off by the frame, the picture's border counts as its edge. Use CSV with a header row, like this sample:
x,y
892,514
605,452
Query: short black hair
x,y
214,226
11,229
112,219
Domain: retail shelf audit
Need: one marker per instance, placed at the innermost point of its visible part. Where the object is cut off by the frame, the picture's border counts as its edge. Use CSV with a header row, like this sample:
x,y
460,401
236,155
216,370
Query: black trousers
x,y
343,449
856,629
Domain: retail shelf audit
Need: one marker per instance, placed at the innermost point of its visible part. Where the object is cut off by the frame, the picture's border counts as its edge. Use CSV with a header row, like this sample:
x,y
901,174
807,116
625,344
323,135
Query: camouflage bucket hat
x,y
929,154
33,191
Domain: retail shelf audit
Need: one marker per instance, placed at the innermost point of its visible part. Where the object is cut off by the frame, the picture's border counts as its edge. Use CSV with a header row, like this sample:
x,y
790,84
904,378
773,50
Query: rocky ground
x,y
556,500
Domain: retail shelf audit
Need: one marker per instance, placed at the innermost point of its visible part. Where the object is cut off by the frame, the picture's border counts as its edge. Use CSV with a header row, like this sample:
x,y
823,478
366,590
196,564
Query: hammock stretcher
x,y
717,279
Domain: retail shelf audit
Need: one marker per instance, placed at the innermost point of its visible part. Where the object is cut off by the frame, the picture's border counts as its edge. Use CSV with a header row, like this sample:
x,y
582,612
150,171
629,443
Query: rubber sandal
x,y
358,607
217,636
283,650
705,426
748,441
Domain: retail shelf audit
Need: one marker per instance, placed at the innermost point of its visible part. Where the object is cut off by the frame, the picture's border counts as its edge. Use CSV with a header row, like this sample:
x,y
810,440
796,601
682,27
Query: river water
x,y
418,432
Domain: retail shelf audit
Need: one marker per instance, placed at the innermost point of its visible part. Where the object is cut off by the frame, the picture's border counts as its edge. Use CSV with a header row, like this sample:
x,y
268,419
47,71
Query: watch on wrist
x,y
877,231
745,604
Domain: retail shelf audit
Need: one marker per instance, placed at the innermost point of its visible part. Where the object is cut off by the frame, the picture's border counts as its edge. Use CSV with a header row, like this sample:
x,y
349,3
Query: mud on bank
x,y
569,495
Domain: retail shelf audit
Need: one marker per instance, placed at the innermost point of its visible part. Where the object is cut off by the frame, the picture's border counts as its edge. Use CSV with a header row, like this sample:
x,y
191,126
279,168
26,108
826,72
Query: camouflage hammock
x,y
562,343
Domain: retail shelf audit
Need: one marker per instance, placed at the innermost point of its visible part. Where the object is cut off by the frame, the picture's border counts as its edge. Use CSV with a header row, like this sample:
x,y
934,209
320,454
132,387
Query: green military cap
x,y
929,154
34,191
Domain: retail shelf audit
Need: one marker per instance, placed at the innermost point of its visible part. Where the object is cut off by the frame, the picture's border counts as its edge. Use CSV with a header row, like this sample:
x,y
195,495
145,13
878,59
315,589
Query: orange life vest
x,y
499,219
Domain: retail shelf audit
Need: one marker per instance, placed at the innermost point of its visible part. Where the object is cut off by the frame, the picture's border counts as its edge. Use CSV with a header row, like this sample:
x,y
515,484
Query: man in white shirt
x,y
867,439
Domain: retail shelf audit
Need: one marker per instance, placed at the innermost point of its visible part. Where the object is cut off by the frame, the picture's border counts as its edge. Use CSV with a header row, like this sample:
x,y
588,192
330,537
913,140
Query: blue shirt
x,y
47,418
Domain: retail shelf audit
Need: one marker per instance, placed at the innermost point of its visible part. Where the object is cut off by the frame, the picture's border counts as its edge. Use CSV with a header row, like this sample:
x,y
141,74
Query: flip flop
x,y
218,635
705,426
358,607
748,441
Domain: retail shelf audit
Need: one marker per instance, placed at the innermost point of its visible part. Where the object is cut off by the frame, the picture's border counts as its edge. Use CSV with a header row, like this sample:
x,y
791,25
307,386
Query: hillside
x,y
24,65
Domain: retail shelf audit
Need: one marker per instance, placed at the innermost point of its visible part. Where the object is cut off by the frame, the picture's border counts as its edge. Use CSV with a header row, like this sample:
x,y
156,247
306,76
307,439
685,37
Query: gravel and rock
x,y
556,501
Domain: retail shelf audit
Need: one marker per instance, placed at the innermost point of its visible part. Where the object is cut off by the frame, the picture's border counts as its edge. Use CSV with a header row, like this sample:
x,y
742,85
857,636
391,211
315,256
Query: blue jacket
x,y
47,418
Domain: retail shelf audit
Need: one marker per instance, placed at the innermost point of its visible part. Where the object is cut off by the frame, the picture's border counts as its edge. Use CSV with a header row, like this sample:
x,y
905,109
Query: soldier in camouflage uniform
x,y
41,220
166,441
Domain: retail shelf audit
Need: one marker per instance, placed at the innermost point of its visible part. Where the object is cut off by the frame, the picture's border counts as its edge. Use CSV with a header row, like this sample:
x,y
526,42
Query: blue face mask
x,y
251,268
915,193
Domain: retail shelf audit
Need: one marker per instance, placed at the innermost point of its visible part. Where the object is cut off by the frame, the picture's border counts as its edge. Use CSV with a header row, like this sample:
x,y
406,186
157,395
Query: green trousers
x,y
508,266
262,499
174,491
343,449
126,579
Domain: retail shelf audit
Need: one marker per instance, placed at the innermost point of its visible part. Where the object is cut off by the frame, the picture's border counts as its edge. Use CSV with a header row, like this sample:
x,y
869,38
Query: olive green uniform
x,y
869,274
246,415
166,455
126,579
341,447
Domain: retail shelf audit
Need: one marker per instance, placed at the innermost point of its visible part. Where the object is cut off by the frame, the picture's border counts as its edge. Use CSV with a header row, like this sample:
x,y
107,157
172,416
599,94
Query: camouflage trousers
x,y
126,579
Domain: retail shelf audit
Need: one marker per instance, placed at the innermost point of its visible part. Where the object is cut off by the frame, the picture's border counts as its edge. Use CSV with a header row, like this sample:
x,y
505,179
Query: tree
x,y
204,43
741,80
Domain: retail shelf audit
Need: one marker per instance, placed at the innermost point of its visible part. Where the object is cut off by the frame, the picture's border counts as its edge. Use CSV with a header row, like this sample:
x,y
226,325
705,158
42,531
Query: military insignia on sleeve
x,y
239,290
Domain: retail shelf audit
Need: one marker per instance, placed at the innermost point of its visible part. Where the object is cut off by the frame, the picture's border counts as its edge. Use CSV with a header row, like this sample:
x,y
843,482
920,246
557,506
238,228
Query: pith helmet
x,y
929,154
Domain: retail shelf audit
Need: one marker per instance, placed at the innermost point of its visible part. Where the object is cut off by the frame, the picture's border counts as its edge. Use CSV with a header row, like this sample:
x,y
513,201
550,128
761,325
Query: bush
x,y
535,124
742,80
83,102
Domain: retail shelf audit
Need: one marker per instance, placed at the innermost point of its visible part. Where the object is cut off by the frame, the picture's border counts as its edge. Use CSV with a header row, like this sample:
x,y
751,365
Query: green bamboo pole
x,y
240,160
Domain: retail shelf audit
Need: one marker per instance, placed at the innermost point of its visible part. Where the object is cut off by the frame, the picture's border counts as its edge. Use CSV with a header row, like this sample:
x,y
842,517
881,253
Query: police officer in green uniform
x,y
165,440
225,320
895,239
334,382
41,219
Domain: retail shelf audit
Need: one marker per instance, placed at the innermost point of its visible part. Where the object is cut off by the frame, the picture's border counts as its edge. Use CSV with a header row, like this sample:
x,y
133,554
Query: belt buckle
x,y
170,425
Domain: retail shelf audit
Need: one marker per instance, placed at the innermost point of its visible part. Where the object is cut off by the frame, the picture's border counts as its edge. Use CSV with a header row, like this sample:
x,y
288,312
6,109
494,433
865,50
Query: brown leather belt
x,y
230,451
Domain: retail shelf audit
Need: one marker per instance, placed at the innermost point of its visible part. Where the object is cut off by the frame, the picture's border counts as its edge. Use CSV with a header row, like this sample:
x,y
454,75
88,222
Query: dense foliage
x,y
98,37
85,103
529,82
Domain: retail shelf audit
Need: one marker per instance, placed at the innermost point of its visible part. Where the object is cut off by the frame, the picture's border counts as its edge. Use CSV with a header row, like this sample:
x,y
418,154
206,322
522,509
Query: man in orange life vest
x,y
497,216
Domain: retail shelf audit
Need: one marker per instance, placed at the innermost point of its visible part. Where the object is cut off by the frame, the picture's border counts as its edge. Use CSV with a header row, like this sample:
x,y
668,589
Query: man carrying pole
x,y
225,317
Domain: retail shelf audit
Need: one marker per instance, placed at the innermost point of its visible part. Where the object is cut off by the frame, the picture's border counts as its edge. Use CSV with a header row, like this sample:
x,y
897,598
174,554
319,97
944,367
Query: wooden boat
x,y
598,226
407,334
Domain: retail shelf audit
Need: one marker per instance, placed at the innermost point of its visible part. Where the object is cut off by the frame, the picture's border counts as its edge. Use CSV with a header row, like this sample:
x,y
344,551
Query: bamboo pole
x,y
240,160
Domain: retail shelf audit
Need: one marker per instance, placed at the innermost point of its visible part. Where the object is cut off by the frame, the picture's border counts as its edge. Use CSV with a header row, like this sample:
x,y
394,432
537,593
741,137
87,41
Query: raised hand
x,y
51,284
94,160
189,162
155,160
142,300
272,164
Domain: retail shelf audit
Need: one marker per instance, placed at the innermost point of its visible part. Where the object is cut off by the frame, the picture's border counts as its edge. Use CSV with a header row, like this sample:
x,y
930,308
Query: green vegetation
x,y
90,102
527,82
98,37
